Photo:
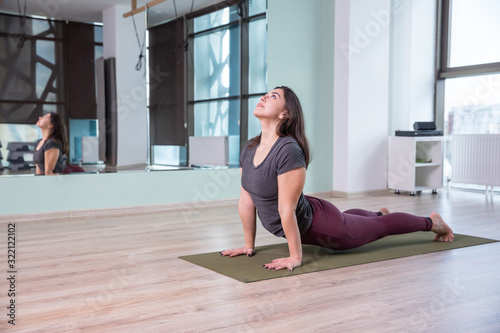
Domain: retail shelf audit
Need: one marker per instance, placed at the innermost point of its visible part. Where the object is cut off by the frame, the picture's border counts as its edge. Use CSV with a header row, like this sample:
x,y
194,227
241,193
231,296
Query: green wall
x,y
30,194
300,55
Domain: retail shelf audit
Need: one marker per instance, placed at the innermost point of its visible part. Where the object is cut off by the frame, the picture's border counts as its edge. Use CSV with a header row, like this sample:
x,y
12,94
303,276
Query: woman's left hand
x,y
289,263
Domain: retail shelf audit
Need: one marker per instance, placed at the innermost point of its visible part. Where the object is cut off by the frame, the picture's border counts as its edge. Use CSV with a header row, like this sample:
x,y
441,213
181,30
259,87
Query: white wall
x,y
120,41
413,64
383,81
361,94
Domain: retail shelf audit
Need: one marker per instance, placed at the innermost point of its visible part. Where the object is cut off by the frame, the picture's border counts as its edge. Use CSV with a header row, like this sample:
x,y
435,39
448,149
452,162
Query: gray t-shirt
x,y
39,156
261,182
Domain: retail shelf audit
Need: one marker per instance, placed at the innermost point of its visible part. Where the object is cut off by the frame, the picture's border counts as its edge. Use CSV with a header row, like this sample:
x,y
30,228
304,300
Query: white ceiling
x,y
91,10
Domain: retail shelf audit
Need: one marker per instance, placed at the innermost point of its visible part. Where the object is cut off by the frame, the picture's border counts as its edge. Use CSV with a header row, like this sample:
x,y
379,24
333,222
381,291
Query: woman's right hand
x,y
238,252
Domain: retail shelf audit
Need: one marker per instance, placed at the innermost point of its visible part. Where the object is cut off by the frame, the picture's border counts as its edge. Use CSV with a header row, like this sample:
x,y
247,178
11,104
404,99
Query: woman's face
x,y
271,105
44,121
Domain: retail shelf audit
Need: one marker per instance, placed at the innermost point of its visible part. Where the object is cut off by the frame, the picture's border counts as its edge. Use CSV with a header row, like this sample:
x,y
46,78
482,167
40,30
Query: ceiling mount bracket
x,y
136,10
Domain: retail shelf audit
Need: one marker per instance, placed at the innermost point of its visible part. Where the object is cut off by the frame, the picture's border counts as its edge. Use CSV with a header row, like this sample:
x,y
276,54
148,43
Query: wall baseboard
x,y
341,194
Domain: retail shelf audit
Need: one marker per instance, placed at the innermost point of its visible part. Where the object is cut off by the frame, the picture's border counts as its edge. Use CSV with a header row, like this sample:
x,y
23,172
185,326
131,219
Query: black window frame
x,y
244,95
443,69
243,22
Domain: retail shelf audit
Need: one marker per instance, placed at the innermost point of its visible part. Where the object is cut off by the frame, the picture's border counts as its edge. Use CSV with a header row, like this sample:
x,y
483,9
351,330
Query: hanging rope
x,y
175,9
184,43
138,66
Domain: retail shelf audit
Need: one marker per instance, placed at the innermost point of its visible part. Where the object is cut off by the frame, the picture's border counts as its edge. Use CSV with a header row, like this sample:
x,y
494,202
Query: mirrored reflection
x,y
216,77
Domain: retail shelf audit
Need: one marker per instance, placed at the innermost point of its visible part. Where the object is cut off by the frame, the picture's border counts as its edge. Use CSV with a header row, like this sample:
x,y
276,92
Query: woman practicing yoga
x,y
49,150
273,172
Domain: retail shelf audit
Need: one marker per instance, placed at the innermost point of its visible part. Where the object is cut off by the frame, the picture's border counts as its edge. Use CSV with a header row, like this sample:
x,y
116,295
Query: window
x,y
470,61
474,28
31,68
226,74
468,85
217,75
31,80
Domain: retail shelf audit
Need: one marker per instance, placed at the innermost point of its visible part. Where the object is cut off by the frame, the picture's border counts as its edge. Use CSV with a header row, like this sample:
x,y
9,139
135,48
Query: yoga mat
x,y
315,258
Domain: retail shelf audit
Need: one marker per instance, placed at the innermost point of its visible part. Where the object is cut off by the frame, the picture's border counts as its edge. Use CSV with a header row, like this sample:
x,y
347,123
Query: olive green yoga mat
x,y
315,258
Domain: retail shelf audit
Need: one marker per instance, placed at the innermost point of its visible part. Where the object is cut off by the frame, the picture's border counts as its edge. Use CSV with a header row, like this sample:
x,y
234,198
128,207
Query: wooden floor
x,y
122,274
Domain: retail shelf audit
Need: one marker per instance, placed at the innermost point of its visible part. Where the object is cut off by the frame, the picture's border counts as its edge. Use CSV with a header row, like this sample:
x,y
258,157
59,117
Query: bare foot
x,y
442,230
384,211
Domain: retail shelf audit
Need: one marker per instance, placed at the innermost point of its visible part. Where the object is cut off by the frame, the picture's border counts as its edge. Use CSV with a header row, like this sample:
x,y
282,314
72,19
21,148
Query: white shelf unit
x,y
407,172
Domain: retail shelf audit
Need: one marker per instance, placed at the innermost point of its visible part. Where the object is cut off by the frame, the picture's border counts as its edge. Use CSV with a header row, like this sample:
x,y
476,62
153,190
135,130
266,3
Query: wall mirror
x,y
42,71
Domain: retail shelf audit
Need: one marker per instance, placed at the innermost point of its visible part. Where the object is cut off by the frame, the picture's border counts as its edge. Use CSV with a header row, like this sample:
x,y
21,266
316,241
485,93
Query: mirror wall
x,y
214,106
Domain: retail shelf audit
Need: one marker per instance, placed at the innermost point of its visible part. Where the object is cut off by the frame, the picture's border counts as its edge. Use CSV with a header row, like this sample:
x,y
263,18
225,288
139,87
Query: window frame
x,y
61,103
244,24
447,72
188,101
443,69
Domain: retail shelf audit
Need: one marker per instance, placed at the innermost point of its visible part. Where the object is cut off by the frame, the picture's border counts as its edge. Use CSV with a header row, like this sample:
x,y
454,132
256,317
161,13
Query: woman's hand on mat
x,y
289,263
248,251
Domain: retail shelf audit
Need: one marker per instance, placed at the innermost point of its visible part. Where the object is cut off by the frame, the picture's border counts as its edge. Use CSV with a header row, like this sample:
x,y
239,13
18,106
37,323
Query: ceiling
x,y
91,10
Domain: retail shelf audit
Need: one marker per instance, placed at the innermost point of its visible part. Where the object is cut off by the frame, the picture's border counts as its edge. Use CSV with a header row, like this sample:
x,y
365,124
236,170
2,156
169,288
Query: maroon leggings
x,y
335,230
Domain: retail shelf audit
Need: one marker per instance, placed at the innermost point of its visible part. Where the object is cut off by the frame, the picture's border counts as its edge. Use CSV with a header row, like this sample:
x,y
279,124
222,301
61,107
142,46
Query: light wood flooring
x,y
122,274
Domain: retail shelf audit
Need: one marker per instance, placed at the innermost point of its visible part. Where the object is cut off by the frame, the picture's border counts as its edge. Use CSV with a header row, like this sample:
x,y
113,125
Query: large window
x,y
31,70
468,85
226,74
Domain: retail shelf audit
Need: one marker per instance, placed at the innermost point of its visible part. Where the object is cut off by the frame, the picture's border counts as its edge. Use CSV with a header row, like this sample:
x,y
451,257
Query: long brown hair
x,y
58,131
290,125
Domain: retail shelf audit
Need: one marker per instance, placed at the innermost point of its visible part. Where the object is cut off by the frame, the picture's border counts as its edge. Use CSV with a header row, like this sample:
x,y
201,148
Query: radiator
x,y
475,159
208,150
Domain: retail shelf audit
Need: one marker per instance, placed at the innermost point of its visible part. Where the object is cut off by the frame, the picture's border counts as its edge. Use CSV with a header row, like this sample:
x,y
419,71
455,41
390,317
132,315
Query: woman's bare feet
x,y
384,211
442,230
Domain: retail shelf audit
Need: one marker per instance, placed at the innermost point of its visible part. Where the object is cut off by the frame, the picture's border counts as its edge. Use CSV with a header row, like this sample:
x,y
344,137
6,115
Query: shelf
x,y
420,165
404,173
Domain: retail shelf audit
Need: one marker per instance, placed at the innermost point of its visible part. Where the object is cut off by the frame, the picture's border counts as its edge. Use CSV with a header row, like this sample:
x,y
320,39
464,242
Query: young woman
x,y
49,150
273,172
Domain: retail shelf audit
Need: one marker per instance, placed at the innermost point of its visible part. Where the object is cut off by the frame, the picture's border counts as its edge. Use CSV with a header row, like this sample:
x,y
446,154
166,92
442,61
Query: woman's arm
x,y
50,157
290,187
246,209
247,213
